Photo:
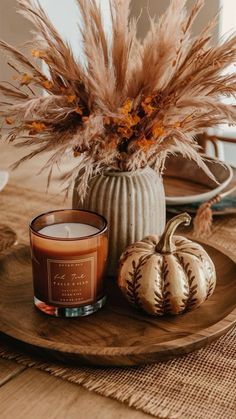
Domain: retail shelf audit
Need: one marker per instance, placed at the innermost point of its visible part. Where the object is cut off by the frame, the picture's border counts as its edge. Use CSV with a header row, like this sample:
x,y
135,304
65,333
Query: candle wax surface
x,y
69,230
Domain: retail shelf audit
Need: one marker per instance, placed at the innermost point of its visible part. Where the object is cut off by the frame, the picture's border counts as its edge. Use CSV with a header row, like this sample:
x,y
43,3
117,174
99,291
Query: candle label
x,y
72,282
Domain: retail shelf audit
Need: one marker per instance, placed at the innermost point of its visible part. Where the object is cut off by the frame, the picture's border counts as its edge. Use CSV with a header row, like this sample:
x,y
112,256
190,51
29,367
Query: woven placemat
x,y
200,385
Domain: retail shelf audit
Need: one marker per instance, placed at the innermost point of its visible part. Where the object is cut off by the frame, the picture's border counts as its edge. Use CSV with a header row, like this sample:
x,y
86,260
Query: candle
x,y
69,230
69,253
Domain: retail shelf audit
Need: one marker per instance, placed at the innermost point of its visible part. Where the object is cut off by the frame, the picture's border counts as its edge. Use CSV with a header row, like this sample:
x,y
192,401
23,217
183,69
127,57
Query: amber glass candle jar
x,y
69,254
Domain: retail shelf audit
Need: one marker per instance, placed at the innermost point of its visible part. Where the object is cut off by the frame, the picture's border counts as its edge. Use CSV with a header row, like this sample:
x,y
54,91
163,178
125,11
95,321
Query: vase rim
x,y
125,172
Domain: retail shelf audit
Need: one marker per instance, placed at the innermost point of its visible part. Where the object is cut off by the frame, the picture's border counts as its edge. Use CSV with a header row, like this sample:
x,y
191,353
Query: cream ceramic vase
x,y
132,203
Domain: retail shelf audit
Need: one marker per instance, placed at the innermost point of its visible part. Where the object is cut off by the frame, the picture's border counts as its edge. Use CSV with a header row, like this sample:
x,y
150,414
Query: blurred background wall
x,y
158,6
13,29
64,14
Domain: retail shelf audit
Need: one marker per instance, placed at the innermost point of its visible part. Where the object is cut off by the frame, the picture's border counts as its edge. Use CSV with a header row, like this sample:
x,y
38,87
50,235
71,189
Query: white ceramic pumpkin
x,y
170,274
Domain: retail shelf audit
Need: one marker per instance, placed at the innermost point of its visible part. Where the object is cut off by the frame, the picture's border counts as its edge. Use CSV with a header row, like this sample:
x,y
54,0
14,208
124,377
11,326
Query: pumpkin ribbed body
x,y
166,283
132,203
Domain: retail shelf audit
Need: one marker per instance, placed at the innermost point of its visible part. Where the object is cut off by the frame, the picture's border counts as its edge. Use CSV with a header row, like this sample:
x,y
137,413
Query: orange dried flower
x,y
125,132
157,130
145,144
177,125
128,121
37,54
70,98
116,121
79,110
47,84
126,108
36,127
148,100
148,109
25,79
9,121
134,119
146,105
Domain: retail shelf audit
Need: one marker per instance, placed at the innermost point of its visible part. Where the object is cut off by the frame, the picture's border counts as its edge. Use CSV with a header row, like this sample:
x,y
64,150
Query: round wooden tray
x,y
117,335
186,183
174,186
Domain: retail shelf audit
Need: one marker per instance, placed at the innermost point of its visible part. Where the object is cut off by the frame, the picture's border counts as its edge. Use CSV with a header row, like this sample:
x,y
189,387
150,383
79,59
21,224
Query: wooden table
x,y
28,393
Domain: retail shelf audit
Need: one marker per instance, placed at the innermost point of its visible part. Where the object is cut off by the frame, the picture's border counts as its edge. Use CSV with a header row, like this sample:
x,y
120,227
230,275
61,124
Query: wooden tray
x,y
117,334
186,183
175,186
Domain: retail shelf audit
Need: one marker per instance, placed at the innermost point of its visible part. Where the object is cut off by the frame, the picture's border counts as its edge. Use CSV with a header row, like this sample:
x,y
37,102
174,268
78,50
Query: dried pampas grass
x,y
132,103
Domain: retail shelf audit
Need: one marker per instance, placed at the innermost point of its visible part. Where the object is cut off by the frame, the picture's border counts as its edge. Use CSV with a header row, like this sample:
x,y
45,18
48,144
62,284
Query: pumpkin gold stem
x,y
165,244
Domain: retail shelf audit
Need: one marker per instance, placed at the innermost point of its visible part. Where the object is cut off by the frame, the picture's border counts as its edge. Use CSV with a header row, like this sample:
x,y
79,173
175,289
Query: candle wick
x,y
67,231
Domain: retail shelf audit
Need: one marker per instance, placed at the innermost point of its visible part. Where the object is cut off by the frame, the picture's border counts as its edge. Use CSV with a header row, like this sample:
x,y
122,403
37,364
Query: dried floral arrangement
x,y
131,103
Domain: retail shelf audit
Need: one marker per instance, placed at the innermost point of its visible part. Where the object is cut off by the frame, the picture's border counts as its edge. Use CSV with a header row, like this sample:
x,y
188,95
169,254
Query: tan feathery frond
x,y
20,59
123,42
58,54
12,92
100,74
158,50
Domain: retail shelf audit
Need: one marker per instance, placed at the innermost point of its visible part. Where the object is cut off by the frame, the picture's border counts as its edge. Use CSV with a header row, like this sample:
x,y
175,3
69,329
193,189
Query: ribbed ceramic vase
x,y
132,203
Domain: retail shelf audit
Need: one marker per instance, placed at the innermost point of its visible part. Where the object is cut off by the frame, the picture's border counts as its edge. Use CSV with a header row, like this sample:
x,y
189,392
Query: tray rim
x,y
171,347
204,196
174,210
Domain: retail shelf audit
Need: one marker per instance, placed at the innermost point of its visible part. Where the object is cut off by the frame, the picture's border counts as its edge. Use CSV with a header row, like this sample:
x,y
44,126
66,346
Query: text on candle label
x,y
72,282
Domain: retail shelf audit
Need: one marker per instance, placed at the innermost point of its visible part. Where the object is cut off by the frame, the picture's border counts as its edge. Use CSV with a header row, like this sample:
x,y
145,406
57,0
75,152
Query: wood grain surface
x,y
8,238
9,370
117,334
36,395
